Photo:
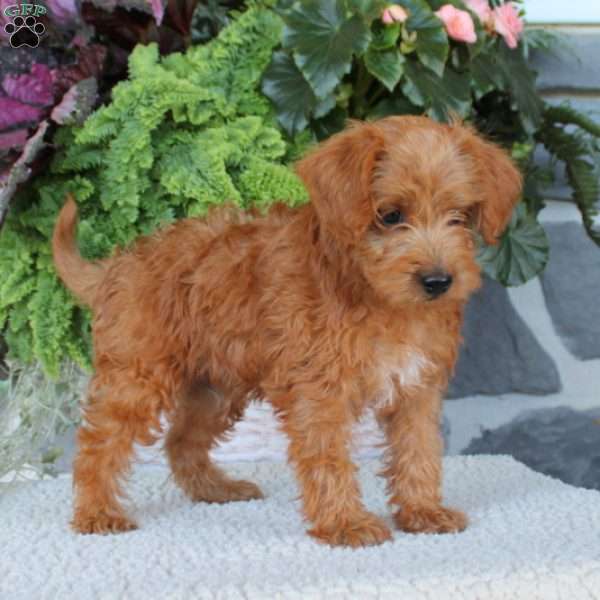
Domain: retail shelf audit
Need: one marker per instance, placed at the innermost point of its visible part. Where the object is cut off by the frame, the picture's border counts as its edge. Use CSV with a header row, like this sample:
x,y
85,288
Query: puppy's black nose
x,y
436,284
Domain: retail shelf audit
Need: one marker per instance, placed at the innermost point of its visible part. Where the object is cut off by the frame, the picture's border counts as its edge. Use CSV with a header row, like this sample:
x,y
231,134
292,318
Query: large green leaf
x,y
440,96
324,38
520,81
330,124
370,9
394,105
432,40
291,94
521,253
486,76
387,66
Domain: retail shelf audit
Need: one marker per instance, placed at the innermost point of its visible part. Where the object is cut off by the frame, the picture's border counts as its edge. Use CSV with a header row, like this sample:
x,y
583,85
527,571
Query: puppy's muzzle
x,y
436,284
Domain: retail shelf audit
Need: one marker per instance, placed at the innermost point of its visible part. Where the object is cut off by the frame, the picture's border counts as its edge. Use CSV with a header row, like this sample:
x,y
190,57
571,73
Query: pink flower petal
x,y
458,23
481,8
394,14
158,10
508,24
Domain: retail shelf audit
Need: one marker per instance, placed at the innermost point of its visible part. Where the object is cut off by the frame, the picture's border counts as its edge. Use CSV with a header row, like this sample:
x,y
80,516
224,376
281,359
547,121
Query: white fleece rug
x,y
530,537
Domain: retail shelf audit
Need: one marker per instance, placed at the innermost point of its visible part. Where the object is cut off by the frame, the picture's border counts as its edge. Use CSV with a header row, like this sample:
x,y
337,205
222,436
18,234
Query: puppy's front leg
x,y
319,431
413,462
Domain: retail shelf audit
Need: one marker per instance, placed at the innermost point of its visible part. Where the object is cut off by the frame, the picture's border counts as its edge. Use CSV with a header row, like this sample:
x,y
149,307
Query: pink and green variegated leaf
x,y
34,87
63,12
13,112
156,7
13,139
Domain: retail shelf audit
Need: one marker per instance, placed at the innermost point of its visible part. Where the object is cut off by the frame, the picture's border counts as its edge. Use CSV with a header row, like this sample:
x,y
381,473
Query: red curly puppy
x,y
353,301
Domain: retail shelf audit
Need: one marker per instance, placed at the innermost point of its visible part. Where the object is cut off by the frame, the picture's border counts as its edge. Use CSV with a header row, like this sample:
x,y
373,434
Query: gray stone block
x,y
575,63
571,284
500,354
560,442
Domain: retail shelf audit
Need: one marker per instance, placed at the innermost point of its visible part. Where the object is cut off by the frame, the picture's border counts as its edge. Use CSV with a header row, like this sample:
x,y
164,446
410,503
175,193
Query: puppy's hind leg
x,y
201,418
118,414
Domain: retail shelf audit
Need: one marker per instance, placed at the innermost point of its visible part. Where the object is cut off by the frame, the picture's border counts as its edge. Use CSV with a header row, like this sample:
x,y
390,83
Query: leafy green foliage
x,y
386,65
439,96
320,77
192,130
432,44
291,94
521,253
324,39
181,135
577,150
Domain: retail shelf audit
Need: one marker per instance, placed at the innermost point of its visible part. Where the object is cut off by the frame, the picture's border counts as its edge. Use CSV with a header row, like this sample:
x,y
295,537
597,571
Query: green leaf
x,y
432,41
324,106
440,96
387,66
324,39
369,9
396,105
291,94
385,36
521,253
519,79
486,76
583,178
577,151
331,124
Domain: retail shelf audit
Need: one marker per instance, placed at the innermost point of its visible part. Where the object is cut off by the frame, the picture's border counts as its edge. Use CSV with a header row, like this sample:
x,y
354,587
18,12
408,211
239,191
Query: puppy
x,y
352,301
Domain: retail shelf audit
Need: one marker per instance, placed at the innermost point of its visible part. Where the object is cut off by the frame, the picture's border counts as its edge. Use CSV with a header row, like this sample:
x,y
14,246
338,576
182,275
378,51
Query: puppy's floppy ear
x,y
499,184
338,175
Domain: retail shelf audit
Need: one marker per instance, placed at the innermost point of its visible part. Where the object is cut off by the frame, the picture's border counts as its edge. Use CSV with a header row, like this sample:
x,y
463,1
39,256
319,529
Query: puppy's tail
x,y
80,276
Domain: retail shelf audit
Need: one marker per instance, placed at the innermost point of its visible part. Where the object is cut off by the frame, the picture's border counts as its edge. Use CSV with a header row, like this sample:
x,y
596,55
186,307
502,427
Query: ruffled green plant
x,y
182,134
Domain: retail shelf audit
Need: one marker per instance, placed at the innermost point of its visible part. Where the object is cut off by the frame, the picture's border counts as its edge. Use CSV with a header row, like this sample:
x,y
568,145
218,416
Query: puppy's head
x,y
402,197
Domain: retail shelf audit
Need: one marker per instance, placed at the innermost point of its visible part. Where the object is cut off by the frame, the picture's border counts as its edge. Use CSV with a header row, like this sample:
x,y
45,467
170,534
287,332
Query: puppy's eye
x,y
391,218
456,219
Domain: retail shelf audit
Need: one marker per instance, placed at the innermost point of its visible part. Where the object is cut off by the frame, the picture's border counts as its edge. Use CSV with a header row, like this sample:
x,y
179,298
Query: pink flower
x,y
394,14
158,10
62,11
481,8
508,24
459,24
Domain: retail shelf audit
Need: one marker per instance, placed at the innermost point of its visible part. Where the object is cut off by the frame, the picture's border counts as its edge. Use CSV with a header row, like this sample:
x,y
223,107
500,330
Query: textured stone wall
x,y
561,435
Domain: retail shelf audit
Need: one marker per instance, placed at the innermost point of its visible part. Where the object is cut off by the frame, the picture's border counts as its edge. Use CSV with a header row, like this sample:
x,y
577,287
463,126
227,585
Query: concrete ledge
x,y
531,537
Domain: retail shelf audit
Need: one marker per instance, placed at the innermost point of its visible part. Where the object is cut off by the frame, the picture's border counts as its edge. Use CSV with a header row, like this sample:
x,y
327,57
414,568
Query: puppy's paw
x,y
226,491
364,530
101,522
430,519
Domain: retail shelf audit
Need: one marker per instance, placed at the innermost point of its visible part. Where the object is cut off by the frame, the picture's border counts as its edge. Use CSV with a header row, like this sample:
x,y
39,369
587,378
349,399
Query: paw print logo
x,y
24,32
